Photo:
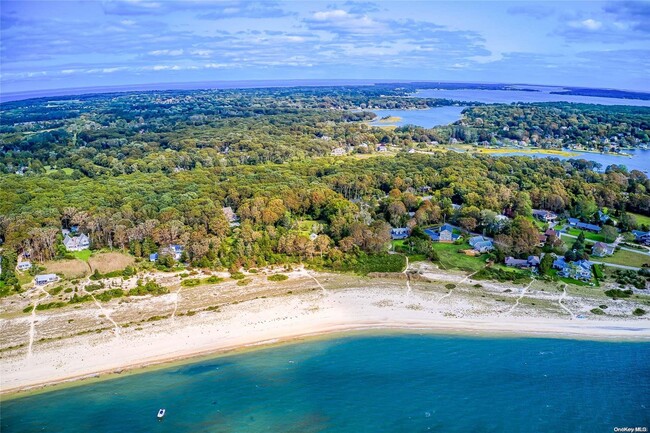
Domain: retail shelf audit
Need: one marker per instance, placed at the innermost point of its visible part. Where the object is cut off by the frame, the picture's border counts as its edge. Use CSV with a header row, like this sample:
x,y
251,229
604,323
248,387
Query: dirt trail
x,y
564,294
32,324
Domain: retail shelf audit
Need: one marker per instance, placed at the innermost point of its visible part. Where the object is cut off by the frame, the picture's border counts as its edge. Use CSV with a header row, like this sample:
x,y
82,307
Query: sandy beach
x,y
316,304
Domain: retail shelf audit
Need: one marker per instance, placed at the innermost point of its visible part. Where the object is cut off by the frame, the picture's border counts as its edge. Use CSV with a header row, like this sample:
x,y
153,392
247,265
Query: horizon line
x,y
251,84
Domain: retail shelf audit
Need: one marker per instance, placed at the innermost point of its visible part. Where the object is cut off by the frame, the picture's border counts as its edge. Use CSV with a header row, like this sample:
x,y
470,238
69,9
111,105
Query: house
x,y
382,148
313,236
530,262
400,233
76,243
641,237
601,249
542,238
153,257
24,266
481,244
588,227
231,216
552,233
603,217
176,251
339,151
444,233
43,279
580,270
455,206
573,221
544,215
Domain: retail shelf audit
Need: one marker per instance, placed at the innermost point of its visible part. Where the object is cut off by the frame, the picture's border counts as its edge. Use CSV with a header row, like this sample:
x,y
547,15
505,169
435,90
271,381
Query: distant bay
x,y
533,94
366,383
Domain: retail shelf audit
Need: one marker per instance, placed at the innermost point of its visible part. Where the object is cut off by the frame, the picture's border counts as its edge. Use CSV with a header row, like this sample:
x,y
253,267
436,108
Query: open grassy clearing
x,y
640,219
109,262
625,258
450,258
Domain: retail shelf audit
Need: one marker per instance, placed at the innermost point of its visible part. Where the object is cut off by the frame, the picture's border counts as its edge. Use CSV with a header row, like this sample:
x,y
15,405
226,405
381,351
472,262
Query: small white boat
x,y
161,413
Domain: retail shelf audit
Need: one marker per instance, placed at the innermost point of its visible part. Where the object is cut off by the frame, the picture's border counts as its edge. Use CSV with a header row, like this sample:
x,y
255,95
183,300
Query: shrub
x,y
237,276
213,279
450,286
597,311
190,282
278,277
618,293
639,312
244,282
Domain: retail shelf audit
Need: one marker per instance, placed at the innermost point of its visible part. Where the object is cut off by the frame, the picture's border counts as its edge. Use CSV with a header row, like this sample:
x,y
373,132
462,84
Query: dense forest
x,y
141,171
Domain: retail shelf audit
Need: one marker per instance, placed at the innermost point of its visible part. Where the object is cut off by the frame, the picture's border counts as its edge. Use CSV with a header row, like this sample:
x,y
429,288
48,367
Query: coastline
x,y
262,323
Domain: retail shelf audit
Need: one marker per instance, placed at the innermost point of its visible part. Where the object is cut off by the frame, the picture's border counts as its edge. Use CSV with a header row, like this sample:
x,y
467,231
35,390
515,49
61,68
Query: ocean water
x,y
508,96
426,118
366,383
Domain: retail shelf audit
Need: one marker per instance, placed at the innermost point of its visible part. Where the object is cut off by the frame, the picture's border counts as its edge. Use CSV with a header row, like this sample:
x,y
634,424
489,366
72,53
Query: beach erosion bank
x,y
337,305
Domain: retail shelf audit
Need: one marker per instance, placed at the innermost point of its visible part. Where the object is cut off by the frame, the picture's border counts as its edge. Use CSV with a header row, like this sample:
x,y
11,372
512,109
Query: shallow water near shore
x,y
374,383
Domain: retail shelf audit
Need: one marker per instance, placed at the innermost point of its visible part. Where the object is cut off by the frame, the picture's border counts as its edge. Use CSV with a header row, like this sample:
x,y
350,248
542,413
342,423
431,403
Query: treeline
x,y
348,204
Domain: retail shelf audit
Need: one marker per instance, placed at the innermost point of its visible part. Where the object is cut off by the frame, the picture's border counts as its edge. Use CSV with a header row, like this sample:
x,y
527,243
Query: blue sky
x,y
67,44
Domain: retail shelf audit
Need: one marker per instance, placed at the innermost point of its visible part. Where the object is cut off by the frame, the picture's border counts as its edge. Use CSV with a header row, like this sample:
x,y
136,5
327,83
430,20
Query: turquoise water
x,y
426,118
364,383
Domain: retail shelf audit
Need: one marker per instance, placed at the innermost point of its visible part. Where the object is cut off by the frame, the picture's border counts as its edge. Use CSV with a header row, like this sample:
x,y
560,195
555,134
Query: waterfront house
x,y
76,243
544,215
399,233
530,262
580,270
43,279
444,233
481,244
174,250
601,249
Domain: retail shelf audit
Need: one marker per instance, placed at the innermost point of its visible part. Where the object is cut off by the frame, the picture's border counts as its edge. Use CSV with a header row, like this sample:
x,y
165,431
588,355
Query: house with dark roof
x,y
153,257
601,249
399,233
544,215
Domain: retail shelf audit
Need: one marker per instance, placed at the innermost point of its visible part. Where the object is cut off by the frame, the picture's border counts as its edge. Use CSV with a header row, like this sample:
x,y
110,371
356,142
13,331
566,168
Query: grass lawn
x,y
450,258
588,235
626,258
640,219
82,255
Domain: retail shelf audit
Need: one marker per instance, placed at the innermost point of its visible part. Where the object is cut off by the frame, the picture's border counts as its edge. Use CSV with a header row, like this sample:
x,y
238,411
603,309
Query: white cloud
x,y
589,24
178,52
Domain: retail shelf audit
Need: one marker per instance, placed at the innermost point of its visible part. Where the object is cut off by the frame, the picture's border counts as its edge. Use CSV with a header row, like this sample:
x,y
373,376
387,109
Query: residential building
x,y
601,249
575,222
24,266
400,233
176,251
231,216
76,243
153,257
43,279
481,244
544,215
444,233
580,270
530,262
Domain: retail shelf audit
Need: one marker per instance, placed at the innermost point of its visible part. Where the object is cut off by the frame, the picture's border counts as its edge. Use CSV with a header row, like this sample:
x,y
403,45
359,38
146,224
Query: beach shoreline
x,y
75,360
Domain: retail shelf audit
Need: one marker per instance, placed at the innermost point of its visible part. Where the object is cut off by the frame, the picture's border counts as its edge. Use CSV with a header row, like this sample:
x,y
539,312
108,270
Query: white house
x,y
24,266
43,279
76,243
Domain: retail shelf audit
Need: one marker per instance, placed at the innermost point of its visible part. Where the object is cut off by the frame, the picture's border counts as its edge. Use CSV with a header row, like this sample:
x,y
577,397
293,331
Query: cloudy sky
x,y
64,44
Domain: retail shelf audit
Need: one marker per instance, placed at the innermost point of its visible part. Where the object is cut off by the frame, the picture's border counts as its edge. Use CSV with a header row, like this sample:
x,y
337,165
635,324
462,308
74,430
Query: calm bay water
x,y
426,118
364,383
640,159
508,96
